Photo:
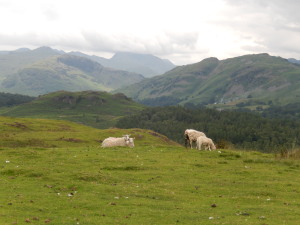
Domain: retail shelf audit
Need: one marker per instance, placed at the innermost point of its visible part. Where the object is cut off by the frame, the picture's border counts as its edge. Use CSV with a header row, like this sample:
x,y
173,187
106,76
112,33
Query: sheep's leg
x,y
199,145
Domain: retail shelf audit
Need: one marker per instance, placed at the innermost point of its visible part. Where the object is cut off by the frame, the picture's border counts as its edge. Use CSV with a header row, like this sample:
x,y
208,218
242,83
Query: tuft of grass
x,y
289,154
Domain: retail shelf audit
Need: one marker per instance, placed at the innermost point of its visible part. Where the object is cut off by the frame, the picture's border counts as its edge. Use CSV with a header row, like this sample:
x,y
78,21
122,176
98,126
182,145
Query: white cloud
x,y
184,31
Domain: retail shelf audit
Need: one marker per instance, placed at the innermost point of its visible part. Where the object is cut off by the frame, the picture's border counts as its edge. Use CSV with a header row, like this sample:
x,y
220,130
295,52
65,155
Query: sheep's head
x,y
126,137
131,142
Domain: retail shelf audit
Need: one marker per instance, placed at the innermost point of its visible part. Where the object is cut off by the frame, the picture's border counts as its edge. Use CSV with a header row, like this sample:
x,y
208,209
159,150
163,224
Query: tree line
x,y
228,129
7,99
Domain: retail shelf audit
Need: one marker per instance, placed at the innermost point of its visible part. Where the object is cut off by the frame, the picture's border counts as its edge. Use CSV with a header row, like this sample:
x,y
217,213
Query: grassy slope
x,y
157,182
86,107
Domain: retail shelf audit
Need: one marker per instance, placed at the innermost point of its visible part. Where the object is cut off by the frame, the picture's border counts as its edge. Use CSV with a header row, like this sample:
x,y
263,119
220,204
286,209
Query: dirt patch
x,y
17,125
75,140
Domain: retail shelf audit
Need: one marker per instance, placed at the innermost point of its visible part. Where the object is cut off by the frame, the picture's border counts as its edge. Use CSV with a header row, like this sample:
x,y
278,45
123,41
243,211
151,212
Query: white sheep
x,y
131,142
206,142
191,136
117,141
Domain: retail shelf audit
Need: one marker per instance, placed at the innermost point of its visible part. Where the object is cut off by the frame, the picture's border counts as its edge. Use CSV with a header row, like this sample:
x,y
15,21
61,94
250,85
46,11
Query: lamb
x,y
206,142
117,141
191,136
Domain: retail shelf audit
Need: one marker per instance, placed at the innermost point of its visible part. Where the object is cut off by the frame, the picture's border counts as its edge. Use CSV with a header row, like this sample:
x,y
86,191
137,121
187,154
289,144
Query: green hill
x,y
253,80
65,72
96,109
55,172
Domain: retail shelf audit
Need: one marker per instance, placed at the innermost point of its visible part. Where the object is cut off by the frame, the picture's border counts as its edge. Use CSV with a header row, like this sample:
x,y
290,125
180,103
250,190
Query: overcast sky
x,y
183,31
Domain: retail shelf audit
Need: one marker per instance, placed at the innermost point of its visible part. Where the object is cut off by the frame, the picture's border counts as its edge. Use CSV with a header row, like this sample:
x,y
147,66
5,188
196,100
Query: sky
x,y
183,31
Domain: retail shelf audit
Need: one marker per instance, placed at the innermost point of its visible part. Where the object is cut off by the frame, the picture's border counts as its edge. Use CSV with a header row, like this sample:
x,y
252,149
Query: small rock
x,y
47,221
213,205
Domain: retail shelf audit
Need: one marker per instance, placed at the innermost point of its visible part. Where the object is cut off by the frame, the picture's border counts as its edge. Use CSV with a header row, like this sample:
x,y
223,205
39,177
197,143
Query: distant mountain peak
x,y
48,49
81,63
145,64
22,50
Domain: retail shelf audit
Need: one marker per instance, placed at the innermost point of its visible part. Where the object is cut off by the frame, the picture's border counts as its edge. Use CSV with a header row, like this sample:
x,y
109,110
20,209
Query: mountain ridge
x,y
146,64
257,79
54,71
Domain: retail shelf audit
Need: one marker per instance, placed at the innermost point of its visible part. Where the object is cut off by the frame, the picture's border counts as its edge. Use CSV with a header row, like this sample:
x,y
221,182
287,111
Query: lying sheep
x,y
191,136
120,141
206,142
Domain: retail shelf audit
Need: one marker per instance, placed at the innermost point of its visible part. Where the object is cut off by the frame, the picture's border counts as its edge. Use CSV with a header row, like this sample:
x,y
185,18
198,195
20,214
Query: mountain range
x,y
44,70
250,81
257,80
145,64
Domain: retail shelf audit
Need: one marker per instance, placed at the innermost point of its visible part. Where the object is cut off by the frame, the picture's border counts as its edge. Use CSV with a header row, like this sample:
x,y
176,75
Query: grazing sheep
x,y
191,136
120,141
206,142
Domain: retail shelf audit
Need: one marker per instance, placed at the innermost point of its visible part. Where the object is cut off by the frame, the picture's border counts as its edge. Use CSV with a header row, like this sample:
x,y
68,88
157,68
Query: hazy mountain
x,y
248,81
55,71
292,60
12,61
145,64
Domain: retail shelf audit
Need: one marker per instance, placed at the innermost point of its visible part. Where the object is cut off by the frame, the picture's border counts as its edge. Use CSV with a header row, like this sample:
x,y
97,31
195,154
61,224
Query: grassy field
x,y
55,172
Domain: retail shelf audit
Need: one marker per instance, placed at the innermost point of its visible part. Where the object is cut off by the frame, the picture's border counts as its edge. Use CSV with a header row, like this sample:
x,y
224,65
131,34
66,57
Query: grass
x,y
54,181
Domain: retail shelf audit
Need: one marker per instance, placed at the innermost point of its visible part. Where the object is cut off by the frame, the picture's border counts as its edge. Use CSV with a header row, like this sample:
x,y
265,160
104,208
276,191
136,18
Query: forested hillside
x,y
7,99
227,128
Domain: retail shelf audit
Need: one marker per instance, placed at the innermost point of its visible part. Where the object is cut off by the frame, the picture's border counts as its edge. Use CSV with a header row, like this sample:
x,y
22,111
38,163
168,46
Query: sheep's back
x,y
194,134
112,142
